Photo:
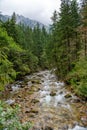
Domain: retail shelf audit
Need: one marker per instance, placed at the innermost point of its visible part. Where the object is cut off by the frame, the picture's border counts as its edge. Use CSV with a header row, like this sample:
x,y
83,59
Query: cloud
x,y
40,10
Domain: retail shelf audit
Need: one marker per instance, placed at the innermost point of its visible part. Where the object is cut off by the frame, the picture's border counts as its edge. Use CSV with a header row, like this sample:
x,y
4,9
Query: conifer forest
x,y
48,67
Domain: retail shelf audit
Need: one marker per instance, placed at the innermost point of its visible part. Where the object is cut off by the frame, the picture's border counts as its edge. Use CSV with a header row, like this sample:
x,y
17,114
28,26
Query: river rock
x,y
68,95
65,127
48,128
34,101
27,110
61,92
76,100
35,81
32,115
34,111
30,92
22,86
53,93
19,96
84,120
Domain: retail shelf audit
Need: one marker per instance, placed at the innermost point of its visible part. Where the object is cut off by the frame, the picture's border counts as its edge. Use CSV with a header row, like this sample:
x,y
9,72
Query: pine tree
x,y
65,39
75,24
10,26
84,25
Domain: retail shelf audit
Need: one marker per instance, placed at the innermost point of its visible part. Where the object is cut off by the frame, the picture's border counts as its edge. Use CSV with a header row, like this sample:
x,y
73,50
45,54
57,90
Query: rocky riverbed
x,y
47,103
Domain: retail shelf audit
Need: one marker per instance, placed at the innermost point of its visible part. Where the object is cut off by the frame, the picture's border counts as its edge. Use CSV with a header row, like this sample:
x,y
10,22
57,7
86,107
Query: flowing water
x,y
48,104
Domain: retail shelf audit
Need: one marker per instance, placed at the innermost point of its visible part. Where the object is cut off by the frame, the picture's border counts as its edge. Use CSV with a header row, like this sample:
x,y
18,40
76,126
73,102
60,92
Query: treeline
x,y
67,49
22,50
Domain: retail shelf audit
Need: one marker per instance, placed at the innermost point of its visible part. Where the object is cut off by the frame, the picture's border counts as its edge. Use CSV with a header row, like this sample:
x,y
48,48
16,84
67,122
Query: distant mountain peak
x,y
23,20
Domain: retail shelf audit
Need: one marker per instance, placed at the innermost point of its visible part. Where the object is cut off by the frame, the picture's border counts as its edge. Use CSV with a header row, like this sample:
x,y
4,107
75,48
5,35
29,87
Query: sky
x,y
40,10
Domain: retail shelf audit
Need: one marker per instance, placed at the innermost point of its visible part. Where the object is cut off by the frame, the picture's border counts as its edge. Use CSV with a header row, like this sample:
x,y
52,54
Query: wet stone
x,y
30,92
43,103
27,110
84,120
19,96
68,95
53,93
34,101
35,81
76,100
61,92
65,127
31,115
22,86
48,128
34,111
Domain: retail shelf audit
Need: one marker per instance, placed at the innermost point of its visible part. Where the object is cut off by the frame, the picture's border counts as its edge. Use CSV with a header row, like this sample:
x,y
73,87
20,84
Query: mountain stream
x,y
47,103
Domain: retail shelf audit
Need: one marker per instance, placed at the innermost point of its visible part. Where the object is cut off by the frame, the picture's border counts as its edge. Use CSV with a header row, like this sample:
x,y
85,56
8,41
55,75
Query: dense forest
x,y
24,50
67,49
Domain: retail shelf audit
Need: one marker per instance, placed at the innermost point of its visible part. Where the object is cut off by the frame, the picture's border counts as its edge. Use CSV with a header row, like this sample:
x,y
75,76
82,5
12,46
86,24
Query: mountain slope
x,y
21,19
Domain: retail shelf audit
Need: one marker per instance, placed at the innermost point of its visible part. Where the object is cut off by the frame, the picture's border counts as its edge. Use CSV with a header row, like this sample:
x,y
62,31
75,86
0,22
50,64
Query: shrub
x,y
78,77
9,119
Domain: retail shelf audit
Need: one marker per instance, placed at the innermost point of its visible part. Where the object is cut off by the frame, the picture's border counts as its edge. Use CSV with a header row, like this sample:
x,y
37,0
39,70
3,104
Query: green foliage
x,y
9,119
4,39
11,28
64,44
21,50
78,77
67,43
32,61
44,60
7,73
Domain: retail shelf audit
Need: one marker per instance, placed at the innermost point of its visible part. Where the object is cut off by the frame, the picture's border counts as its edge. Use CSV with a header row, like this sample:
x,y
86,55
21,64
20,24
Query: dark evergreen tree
x,y
84,25
65,38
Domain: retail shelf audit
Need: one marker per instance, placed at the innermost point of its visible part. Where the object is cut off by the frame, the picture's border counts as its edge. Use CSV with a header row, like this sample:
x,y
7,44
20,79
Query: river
x,y
48,103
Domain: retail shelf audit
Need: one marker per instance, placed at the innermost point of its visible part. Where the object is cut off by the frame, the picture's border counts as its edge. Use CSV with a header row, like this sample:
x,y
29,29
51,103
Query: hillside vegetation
x,y
67,48
24,50
21,50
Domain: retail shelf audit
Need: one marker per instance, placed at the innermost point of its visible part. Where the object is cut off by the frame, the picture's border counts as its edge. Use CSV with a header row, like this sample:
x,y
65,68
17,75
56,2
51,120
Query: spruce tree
x,y
84,25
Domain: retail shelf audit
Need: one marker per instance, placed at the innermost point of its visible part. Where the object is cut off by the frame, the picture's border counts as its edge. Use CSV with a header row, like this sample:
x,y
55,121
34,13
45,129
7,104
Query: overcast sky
x,y
40,10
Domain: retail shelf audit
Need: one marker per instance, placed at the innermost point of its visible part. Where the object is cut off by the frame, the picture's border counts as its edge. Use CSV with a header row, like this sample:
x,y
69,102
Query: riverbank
x,y
47,103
